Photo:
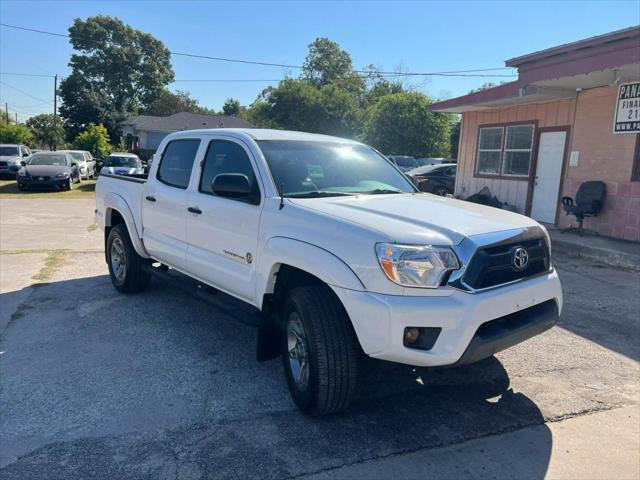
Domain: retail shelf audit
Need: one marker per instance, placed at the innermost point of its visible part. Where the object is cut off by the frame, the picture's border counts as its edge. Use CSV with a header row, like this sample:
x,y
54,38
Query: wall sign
x,y
627,119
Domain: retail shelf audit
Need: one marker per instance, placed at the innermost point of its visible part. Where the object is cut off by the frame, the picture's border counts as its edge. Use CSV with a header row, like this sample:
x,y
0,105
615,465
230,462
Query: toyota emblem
x,y
520,259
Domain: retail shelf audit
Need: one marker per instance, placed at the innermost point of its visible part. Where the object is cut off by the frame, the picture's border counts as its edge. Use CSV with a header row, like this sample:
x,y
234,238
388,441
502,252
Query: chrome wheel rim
x,y
118,260
298,351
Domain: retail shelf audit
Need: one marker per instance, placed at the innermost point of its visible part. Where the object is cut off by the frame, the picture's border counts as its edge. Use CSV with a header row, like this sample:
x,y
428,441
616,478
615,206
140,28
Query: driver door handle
x,y
195,210
150,198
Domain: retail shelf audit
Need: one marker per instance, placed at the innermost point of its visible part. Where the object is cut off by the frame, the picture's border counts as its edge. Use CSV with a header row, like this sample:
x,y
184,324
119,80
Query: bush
x,y
15,133
95,139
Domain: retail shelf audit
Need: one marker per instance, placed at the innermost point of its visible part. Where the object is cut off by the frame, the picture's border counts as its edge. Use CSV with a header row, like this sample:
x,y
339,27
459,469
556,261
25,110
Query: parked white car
x,y
84,160
122,163
335,248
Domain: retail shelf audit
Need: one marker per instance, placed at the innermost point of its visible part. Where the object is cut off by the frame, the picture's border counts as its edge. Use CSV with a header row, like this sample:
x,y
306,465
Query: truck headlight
x,y
422,266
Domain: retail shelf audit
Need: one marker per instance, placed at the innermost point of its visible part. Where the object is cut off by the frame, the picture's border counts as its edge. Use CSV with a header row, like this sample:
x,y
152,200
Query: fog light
x,y
421,338
411,335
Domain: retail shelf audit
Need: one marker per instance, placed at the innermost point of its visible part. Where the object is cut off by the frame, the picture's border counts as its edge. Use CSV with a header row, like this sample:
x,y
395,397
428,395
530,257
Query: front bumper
x,y
380,320
50,183
9,169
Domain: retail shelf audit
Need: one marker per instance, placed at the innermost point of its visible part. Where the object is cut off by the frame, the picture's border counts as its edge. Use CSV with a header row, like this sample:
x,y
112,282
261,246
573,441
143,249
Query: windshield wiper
x,y
317,194
381,191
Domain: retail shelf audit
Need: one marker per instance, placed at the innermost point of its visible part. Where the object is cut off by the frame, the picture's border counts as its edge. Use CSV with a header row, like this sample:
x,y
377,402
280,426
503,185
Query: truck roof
x,y
270,134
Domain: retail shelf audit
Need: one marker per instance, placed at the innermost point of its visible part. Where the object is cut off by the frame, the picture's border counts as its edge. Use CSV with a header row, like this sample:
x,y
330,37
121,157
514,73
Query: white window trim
x,y
499,150
503,150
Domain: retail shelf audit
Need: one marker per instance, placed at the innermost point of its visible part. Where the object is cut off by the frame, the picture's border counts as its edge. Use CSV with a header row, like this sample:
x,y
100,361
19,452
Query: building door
x,y
546,184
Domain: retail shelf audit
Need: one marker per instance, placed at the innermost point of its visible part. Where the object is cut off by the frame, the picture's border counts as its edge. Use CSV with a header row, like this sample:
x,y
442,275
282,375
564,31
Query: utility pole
x,y
6,111
55,95
16,117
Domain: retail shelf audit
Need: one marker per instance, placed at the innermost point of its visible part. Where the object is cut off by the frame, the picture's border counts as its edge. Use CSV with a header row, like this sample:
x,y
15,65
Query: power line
x,y
27,74
25,93
454,73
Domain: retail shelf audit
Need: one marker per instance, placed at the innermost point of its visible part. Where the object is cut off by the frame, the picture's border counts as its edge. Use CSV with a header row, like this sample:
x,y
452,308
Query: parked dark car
x,y
404,162
52,170
438,179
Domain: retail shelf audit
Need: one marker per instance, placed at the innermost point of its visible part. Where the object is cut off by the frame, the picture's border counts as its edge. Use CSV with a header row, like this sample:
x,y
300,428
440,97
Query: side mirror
x,y
25,154
23,163
232,185
100,164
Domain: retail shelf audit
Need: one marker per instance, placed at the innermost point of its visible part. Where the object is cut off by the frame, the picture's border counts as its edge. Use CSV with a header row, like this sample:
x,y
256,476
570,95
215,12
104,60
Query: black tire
x,y
135,279
331,346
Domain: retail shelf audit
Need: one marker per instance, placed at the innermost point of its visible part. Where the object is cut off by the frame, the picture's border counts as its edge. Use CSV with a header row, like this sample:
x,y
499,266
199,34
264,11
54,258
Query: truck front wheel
x,y
319,350
125,265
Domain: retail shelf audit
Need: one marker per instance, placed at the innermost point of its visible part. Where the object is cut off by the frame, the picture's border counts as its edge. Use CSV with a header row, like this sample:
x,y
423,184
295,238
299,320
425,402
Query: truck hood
x,y
10,158
418,218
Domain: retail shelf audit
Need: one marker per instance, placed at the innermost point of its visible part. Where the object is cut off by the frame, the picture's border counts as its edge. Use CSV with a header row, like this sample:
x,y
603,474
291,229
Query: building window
x,y
635,171
505,150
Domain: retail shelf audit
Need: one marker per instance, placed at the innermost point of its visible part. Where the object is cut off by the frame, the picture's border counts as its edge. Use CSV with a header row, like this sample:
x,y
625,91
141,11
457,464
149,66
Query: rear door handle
x,y
195,210
150,198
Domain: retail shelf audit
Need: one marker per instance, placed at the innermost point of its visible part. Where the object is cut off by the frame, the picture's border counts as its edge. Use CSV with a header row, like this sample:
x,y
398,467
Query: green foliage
x,y
169,103
297,104
117,72
326,62
95,139
455,139
400,123
47,129
231,107
15,133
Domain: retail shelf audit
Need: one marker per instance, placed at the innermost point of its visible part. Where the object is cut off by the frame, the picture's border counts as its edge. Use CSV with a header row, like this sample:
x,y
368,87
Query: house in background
x,y
144,133
572,115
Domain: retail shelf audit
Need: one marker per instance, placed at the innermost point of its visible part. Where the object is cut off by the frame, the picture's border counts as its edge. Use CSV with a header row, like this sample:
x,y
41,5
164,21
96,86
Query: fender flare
x,y
308,257
113,201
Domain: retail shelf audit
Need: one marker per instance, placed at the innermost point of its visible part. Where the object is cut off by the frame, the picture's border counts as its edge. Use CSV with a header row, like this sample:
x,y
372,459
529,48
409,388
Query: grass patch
x,y
86,189
52,263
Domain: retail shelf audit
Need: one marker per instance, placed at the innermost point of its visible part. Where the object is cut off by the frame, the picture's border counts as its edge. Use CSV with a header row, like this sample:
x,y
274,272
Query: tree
x,y
118,72
326,62
296,104
15,133
169,103
231,107
400,123
455,139
95,139
47,129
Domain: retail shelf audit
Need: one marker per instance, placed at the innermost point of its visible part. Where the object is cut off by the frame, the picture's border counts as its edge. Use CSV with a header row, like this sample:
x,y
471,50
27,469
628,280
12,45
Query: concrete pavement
x,y
158,385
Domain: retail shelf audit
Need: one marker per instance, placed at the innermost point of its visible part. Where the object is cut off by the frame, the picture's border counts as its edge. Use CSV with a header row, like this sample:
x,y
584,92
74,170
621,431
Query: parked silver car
x,y
85,161
11,154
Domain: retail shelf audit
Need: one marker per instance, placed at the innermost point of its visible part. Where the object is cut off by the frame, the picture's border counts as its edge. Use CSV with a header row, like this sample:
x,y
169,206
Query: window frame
x,y
504,126
203,164
164,150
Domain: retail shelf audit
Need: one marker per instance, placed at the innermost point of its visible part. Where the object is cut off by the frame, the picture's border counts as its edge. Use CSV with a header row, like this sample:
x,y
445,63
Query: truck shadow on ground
x,y
165,386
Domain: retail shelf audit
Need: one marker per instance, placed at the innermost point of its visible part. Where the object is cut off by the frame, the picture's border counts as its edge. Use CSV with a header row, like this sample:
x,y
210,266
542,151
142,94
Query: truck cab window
x,y
226,157
177,161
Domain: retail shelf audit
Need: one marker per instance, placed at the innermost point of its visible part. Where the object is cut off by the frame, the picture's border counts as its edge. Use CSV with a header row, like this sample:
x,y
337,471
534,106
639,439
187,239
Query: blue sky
x,y
413,36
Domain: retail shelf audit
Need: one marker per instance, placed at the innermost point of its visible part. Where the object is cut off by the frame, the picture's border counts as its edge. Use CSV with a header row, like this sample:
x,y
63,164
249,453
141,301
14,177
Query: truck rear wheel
x,y
125,265
319,350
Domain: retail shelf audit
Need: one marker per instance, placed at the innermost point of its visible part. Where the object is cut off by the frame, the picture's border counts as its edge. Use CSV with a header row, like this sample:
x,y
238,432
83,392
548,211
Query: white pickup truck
x,y
336,249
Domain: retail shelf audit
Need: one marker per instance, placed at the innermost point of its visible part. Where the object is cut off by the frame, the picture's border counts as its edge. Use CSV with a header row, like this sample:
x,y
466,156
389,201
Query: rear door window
x,y
177,162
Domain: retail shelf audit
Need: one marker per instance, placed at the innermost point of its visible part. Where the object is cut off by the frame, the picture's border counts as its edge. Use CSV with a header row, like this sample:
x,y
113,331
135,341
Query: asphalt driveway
x,y
94,384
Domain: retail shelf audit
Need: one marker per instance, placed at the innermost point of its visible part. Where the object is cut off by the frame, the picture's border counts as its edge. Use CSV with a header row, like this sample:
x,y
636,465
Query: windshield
x,y
48,160
8,151
78,156
131,162
330,169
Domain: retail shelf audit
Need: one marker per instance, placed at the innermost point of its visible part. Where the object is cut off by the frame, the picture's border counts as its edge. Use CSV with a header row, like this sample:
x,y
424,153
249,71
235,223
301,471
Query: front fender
x,y
114,202
305,256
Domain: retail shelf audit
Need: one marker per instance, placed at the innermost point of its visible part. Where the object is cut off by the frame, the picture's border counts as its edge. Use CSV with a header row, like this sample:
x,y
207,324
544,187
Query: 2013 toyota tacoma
x,y
337,250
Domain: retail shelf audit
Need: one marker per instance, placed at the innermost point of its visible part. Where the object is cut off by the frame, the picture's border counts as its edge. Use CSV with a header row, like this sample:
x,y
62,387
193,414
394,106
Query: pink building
x,y
573,115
